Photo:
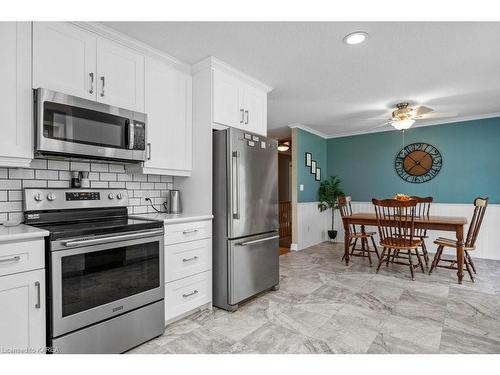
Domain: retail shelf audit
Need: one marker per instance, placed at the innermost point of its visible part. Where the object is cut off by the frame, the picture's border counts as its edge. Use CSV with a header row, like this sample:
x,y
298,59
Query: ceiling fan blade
x,y
436,115
421,110
382,125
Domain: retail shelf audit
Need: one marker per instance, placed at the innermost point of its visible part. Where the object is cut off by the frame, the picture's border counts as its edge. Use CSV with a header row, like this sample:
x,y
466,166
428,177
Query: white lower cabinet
x,y
22,312
188,268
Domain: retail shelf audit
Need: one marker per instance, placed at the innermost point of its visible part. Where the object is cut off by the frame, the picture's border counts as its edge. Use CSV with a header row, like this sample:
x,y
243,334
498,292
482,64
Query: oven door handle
x,y
123,237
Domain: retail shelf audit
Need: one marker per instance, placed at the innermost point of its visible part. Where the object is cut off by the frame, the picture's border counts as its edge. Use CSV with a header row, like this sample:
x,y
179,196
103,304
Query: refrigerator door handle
x,y
257,241
236,184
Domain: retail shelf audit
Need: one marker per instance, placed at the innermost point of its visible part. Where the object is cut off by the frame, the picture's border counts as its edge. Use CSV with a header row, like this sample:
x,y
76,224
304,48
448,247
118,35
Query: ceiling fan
x,y
404,116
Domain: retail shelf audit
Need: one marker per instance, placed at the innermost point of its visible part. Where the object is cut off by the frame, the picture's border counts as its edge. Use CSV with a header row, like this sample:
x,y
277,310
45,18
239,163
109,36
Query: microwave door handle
x,y
131,134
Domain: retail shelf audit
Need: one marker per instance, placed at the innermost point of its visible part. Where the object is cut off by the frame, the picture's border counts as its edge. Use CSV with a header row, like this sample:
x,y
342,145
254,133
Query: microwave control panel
x,y
139,136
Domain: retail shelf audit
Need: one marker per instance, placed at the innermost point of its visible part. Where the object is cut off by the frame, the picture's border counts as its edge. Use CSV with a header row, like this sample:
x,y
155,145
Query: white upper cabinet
x,y
64,59
22,316
168,100
227,107
16,142
71,60
238,101
120,79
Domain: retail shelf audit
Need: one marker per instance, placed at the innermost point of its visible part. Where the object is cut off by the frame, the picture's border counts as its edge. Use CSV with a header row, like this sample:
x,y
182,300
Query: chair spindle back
x,y
422,210
346,209
480,205
395,220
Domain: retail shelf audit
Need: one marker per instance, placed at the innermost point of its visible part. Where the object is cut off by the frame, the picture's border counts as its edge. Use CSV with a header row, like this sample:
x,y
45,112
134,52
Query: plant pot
x,y
332,234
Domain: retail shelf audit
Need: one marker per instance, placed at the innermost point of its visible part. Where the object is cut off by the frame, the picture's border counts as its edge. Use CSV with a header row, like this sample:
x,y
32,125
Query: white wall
x,y
489,237
311,225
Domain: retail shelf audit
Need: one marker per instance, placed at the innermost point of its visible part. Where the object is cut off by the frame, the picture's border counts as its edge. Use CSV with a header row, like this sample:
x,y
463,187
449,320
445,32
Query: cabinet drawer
x,y
187,294
21,256
183,232
188,258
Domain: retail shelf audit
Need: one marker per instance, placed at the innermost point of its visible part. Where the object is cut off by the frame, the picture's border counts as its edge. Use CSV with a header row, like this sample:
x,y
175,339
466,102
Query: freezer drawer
x,y
253,266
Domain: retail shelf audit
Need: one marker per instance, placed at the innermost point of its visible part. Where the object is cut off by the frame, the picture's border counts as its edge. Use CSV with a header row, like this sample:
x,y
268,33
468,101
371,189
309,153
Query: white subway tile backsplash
x,y
45,173
58,164
107,176
80,166
99,184
99,167
10,184
117,168
21,173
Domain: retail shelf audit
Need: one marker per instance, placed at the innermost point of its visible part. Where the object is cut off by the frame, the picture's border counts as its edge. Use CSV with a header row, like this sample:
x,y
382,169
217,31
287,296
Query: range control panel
x,y
61,199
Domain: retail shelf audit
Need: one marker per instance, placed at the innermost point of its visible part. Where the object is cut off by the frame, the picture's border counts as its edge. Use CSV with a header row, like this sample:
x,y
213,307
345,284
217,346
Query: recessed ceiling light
x,y
356,37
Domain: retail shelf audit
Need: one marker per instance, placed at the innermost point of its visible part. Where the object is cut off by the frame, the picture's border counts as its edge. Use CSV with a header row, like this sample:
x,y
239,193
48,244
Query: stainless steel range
x,y
105,270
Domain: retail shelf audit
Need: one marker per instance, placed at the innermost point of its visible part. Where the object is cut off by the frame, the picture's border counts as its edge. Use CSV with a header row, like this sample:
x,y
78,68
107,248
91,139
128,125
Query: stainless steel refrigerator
x,y
245,204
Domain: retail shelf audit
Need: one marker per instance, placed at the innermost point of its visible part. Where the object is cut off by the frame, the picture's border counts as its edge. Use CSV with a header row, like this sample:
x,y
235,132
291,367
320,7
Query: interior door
x,y
120,76
226,100
254,266
64,59
22,313
168,105
253,184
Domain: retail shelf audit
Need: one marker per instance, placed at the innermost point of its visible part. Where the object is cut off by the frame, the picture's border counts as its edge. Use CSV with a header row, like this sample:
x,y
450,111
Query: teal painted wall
x,y
307,142
471,162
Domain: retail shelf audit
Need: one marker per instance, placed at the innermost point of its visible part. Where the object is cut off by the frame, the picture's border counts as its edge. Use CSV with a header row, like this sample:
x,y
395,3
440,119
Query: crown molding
x,y
213,62
420,125
127,41
308,129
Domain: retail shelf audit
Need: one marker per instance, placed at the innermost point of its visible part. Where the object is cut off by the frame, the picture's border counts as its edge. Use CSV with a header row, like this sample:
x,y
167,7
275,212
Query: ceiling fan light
x,y
403,124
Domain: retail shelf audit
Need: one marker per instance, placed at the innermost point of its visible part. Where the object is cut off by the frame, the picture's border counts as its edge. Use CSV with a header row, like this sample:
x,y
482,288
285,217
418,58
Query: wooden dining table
x,y
442,223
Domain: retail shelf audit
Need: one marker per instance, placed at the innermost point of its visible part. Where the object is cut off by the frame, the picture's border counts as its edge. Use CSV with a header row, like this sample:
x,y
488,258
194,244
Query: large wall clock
x,y
418,162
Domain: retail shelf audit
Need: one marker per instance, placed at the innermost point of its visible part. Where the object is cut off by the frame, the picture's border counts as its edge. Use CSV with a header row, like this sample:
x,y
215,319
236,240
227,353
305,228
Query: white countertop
x,y
174,218
20,232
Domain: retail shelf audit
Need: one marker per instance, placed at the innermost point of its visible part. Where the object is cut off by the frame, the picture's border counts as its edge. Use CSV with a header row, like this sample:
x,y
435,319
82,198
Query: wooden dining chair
x,y
345,208
480,205
395,220
422,210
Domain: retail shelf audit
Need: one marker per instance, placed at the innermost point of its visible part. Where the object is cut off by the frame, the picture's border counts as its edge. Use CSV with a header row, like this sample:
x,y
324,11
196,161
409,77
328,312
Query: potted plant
x,y
328,193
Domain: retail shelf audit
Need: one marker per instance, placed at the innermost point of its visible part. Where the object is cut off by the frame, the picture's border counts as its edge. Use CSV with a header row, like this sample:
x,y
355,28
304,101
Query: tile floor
x,y
325,307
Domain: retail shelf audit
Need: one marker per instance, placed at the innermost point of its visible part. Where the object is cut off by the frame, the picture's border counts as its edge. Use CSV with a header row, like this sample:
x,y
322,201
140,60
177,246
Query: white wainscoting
x,y
487,244
311,225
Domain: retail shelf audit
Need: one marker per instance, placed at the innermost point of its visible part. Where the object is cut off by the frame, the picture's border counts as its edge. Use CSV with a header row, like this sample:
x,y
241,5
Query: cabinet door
x,y
168,106
120,76
64,59
16,143
22,316
227,108
255,104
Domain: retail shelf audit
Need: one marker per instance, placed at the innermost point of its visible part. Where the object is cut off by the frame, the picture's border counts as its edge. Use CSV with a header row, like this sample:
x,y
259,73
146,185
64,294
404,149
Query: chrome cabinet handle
x,y
242,111
236,185
103,84
189,259
149,151
258,241
190,294
91,90
17,258
190,231
37,285
246,121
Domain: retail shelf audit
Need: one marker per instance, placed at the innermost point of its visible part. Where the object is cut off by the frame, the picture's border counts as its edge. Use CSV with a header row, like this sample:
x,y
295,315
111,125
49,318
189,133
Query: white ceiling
x,y
339,89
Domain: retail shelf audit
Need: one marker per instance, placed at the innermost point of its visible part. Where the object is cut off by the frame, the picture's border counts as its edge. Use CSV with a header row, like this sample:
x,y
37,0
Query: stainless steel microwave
x,y
71,126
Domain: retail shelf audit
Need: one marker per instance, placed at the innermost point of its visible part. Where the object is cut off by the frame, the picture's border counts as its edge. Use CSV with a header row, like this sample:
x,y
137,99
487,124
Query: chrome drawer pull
x,y
190,231
189,259
190,294
37,285
17,258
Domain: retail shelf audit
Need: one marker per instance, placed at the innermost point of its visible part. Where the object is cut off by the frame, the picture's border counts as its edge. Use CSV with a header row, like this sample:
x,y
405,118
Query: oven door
x,y
70,125
96,282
